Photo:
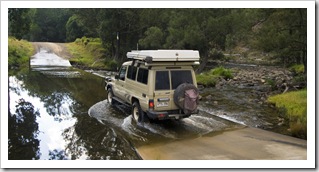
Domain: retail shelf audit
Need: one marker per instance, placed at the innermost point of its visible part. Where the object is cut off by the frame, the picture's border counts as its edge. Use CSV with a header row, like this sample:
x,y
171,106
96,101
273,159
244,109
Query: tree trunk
x,y
202,65
304,60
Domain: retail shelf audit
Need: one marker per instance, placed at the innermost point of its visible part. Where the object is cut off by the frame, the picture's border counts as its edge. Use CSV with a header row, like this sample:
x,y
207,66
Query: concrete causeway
x,y
240,144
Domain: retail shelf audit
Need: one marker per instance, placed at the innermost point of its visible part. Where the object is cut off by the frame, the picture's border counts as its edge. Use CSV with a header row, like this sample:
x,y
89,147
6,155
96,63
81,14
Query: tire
x,y
137,113
110,96
179,96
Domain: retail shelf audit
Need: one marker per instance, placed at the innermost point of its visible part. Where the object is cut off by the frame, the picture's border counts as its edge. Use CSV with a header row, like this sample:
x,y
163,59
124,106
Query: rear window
x,y
180,77
162,80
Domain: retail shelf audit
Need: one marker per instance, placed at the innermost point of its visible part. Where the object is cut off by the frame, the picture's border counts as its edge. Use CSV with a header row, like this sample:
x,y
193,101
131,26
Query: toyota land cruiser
x,y
156,84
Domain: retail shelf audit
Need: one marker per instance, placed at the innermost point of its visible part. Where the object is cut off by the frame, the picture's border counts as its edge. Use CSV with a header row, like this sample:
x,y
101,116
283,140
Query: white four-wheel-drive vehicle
x,y
156,84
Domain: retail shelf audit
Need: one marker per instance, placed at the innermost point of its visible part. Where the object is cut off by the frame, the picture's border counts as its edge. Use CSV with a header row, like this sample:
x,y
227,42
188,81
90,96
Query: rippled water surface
x,y
62,114
58,112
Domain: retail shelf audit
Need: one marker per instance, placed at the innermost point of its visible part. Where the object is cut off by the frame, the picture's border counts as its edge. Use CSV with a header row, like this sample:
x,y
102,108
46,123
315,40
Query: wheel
x,y
186,97
110,96
138,114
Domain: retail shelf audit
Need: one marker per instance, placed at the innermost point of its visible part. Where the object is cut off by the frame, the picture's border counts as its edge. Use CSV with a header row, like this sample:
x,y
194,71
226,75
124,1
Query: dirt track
x,y
57,48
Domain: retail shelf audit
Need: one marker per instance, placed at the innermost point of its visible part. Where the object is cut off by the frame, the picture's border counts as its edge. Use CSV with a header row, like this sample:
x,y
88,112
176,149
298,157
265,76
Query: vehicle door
x,y
118,89
163,99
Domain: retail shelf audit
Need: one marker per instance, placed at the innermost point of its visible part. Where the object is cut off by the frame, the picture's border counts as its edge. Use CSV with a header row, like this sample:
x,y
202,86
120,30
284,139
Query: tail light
x,y
151,104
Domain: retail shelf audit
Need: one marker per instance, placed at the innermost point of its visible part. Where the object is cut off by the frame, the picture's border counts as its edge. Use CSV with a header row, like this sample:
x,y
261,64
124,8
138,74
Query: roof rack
x,y
150,56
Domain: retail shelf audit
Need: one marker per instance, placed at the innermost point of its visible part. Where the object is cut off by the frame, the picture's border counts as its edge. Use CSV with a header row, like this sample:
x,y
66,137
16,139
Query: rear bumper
x,y
174,114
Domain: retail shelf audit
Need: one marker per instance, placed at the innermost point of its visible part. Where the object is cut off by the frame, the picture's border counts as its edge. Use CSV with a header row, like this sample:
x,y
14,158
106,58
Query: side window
x,y
122,73
162,80
131,73
142,76
180,77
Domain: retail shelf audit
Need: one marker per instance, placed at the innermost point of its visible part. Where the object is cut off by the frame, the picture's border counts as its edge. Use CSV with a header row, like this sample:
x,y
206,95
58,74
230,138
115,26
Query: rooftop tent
x,y
164,55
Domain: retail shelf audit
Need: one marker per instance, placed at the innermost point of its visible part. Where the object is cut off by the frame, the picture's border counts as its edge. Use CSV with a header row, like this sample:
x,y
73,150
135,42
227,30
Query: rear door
x,y
163,95
165,84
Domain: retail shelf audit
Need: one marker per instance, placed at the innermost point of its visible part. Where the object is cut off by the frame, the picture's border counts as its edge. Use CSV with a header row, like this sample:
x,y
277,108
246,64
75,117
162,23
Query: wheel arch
x,y
109,86
134,99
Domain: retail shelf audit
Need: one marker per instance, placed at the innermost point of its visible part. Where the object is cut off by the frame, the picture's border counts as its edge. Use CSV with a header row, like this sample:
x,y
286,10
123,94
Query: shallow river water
x,y
59,113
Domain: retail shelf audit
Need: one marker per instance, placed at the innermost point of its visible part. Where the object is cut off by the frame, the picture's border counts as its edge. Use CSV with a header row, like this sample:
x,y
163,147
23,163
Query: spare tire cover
x,y
188,103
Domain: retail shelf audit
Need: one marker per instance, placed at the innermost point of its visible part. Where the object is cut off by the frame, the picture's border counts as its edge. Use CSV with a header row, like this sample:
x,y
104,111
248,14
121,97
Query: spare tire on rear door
x,y
186,97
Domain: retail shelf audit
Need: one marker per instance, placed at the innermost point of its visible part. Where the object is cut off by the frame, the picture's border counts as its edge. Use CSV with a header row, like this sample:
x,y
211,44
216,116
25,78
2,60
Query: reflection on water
x,y
23,142
48,118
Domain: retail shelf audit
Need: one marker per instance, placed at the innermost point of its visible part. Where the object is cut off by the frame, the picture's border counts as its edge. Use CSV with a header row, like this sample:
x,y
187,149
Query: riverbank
x,y
265,82
19,53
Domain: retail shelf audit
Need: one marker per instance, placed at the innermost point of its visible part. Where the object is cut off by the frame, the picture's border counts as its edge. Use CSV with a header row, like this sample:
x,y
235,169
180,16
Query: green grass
x,y
89,53
19,53
297,68
295,105
211,77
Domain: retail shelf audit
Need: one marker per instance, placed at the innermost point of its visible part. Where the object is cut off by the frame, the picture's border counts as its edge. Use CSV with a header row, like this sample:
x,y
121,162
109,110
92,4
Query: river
x,y
59,112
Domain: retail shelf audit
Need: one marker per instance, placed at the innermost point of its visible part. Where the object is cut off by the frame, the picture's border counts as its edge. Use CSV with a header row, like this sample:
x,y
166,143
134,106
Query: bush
x,y
221,71
216,55
89,53
112,65
211,78
19,52
297,68
206,79
295,105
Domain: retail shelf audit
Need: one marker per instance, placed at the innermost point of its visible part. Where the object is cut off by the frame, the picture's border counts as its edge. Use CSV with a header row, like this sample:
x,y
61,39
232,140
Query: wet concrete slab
x,y
240,144
45,58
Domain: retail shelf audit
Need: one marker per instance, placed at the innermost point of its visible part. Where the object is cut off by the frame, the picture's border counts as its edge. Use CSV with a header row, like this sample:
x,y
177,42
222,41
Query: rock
x,y
280,123
200,87
209,97
215,102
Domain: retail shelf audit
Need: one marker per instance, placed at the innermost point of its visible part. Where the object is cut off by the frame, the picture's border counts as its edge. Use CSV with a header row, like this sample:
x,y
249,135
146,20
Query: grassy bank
x,y
294,105
19,53
89,53
210,78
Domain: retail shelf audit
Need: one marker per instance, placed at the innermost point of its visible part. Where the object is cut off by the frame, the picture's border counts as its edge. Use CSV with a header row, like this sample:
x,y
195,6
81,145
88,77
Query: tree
x,y
19,22
201,29
74,29
49,25
154,38
284,32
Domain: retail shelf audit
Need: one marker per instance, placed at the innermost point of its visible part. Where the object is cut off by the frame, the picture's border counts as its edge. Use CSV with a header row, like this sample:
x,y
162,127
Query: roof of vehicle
x,y
150,56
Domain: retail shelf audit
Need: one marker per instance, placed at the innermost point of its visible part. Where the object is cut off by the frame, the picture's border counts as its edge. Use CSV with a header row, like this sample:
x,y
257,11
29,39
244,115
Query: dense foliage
x,y
279,33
